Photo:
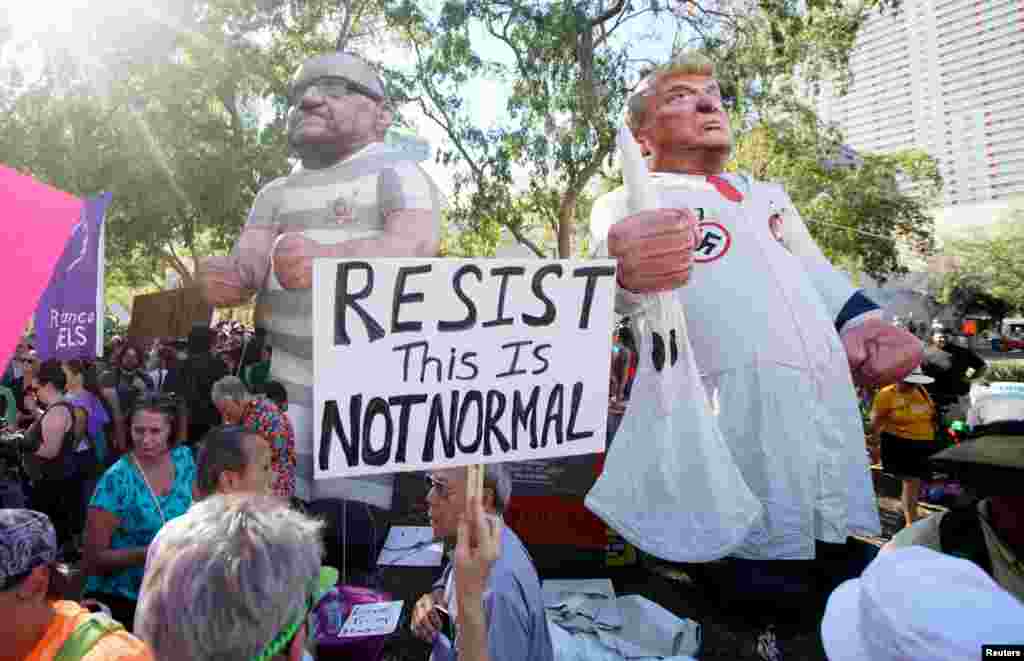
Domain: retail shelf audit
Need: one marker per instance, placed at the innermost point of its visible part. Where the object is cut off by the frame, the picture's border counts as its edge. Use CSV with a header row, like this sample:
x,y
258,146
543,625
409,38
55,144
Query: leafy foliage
x,y
863,213
570,73
179,137
568,84
989,268
1005,370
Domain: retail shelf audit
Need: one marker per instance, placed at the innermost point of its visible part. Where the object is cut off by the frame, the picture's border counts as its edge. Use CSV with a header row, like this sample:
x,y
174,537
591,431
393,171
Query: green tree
x,y
990,265
865,212
186,132
570,74
567,83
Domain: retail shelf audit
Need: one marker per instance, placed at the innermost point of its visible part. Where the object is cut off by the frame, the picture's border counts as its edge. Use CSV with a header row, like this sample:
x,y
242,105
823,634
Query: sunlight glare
x,y
29,19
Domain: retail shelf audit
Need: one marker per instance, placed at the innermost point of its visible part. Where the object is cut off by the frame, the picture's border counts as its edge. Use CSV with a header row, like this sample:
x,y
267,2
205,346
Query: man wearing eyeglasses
x,y
511,608
351,196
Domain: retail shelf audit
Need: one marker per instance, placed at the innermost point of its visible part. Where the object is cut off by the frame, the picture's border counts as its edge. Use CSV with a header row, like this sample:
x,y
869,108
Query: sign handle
x,y
474,481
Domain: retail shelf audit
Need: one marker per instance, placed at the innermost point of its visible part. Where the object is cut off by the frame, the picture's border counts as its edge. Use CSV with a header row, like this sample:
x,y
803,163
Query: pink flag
x,y
35,224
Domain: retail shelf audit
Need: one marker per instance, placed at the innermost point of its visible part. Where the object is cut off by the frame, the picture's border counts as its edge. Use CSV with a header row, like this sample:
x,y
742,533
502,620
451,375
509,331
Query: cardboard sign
x,y
37,222
378,619
422,364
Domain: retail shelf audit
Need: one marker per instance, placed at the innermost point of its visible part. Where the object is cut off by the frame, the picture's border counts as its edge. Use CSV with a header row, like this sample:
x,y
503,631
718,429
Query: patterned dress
x,y
263,417
122,492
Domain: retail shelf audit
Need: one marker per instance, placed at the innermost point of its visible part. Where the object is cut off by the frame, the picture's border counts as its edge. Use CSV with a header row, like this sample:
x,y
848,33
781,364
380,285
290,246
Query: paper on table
x,y
411,546
378,619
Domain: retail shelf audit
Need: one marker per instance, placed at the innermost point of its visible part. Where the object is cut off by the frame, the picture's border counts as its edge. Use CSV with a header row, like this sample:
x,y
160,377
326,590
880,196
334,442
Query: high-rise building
x,y
946,76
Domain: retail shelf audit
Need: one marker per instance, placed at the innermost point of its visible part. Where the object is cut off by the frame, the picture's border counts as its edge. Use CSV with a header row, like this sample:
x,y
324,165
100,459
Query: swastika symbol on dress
x,y
714,242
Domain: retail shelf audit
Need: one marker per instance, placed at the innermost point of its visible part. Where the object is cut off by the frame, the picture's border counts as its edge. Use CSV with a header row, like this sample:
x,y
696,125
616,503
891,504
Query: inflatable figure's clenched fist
x,y
654,249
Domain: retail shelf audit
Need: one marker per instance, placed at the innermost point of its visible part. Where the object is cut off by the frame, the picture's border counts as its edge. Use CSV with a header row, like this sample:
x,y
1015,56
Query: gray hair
x,y
230,387
221,450
226,577
686,63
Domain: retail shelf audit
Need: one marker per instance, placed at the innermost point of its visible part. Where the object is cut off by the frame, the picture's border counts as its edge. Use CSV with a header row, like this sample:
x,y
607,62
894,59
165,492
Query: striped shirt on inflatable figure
x,y
347,201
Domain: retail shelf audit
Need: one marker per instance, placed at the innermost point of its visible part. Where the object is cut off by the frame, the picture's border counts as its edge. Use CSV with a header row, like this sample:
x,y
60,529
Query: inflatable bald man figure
x,y
776,330
352,196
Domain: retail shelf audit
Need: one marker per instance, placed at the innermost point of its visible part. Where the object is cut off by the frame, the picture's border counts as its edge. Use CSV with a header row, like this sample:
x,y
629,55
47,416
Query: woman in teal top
x,y
145,489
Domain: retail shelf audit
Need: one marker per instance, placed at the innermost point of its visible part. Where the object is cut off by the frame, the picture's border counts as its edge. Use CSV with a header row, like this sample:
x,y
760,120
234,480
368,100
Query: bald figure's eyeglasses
x,y
332,87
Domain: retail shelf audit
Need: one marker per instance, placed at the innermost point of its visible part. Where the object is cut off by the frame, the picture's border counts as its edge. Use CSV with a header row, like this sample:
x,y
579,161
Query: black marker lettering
x,y
495,409
344,299
591,273
378,406
406,402
471,397
470,320
525,416
536,354
401,297
436,426
331,425
504,272
467,360
407,348
554,415
548,317
512,371
577,397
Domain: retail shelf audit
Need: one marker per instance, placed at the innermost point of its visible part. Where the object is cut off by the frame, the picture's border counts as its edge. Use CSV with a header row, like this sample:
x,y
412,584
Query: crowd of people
x,y
82,423
178,476
116,477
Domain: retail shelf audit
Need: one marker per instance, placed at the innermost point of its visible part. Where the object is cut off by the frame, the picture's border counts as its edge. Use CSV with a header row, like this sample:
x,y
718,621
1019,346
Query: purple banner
x,y
67,315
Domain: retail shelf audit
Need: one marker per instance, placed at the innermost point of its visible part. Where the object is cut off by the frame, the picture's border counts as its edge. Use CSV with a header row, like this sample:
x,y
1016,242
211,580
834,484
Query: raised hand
x,y
654,249
880,354
293,261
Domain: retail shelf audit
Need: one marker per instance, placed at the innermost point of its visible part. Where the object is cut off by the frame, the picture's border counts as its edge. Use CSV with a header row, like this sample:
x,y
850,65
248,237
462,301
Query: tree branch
x,y
448,124
346,25
172,259
622,19
612,11
521,238
503,36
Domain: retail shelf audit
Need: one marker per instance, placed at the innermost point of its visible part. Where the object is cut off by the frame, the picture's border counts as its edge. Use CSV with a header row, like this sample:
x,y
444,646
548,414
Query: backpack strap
x,y
961,536
85,636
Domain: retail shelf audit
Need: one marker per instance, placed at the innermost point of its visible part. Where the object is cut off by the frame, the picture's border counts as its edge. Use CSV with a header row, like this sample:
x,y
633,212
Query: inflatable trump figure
x,y
737,305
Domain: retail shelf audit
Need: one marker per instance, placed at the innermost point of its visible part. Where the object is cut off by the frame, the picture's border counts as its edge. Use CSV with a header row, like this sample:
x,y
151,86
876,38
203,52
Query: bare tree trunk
x,y
566,211
346,25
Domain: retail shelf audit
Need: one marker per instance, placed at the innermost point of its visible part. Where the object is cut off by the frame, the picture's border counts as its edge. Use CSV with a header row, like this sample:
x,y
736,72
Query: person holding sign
x,y
477,550
512,608
352,196
731,249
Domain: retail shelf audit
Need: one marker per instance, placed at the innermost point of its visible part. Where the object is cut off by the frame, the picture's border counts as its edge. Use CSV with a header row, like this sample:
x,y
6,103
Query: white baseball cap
x,y
916,603
919,377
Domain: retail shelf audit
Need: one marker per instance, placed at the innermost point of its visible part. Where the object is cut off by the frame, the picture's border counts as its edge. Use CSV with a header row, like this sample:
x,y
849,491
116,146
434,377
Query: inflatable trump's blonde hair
x,y
693,64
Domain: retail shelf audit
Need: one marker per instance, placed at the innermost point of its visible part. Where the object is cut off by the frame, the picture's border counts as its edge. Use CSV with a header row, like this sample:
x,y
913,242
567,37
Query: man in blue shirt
x,y
512,604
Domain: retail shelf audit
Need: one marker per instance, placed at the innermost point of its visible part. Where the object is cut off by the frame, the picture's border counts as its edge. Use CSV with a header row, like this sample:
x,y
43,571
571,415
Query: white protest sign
x,y
433,363
378,619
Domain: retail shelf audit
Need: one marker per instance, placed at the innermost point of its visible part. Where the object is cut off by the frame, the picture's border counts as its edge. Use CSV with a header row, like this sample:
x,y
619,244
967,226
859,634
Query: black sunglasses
x,y
333,87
